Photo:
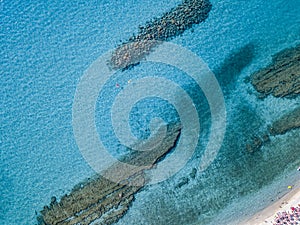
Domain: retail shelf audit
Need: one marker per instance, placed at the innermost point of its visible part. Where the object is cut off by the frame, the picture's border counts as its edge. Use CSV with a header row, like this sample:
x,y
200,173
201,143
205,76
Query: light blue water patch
x,y
146,109
46,47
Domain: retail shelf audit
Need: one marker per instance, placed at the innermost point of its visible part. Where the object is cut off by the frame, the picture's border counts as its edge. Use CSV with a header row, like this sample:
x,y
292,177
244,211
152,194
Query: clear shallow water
x,y
45,47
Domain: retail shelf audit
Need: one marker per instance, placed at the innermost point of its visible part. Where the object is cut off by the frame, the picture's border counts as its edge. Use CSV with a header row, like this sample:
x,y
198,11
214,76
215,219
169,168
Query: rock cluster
x,y
285,123
102,201
254,145
282,77
170,25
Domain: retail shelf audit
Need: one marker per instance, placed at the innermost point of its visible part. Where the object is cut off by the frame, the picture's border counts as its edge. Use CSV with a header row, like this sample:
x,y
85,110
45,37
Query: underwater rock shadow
x,y
233,65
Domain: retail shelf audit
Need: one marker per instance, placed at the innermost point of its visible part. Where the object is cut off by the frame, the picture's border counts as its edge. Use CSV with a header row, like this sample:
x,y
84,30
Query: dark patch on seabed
x,y
233,65
281,78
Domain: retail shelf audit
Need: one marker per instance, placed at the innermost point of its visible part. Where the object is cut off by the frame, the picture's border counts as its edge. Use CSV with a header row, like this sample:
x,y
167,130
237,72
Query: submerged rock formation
x,y
282,77
170,25
102,201
285,123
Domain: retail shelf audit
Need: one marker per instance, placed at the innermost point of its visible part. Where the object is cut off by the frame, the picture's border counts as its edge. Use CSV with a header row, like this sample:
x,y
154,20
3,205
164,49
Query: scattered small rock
x,y
53,199
193,173
183,182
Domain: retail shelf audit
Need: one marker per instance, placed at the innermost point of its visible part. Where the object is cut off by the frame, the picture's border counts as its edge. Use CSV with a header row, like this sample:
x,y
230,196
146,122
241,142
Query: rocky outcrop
x,y
170,25
254,144
282,77
285,123
102,201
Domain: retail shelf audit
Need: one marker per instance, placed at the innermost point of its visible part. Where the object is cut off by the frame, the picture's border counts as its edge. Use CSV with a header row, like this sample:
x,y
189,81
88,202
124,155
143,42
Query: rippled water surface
x,y
45,48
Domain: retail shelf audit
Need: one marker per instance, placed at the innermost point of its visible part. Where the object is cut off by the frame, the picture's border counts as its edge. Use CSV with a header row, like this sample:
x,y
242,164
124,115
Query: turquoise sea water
x,y
46,47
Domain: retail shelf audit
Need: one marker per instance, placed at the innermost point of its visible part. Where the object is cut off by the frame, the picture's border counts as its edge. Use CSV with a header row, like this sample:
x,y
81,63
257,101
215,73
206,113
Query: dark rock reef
x,y
282,77
285,123
289,121
102,201
170,25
